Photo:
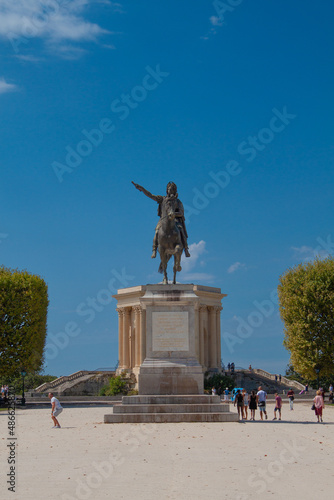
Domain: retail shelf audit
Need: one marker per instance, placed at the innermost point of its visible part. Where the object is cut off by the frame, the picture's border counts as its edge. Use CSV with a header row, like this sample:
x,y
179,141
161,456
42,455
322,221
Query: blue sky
x,y
232,101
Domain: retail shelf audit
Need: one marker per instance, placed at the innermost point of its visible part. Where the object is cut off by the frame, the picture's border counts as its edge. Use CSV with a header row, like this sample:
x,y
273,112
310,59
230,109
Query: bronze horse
x,y
169,238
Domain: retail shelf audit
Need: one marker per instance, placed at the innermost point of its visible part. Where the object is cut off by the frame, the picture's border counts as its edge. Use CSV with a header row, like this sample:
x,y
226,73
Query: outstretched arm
x,y
147,193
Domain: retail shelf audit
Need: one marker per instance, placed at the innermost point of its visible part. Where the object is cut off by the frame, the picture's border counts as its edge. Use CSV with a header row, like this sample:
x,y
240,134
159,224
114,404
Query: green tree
x,y
291,374
218,380
117,385
23,314
31,381
306,296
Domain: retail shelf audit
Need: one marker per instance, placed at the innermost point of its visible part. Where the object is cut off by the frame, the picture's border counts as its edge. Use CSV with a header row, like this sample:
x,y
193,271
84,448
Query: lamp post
x,y
23,400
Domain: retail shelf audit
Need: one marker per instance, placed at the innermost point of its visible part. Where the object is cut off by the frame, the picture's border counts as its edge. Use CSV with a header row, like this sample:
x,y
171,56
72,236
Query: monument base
x,y
177,376
169,336
163,409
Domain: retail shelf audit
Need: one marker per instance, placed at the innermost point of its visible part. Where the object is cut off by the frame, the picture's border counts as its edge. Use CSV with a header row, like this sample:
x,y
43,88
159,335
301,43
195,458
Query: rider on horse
x,y
180,220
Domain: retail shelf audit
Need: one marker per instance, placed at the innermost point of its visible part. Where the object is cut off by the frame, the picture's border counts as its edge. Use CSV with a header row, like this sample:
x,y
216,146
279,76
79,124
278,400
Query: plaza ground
x,y
87,459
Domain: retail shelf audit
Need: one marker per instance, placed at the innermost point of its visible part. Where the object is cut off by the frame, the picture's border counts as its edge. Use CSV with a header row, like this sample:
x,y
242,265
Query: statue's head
x,y
171,189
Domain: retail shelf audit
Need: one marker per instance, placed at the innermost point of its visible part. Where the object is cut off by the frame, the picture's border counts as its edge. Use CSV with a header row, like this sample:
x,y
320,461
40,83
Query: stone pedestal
x,y
169,335
163,409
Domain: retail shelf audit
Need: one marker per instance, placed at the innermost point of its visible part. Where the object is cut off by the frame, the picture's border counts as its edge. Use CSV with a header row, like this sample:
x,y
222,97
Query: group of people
x,y
258,400
4,392
231,367
253,401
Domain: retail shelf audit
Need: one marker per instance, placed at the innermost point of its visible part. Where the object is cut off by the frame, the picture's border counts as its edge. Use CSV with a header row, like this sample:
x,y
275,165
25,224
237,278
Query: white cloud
x,y
53,21
194,277
70,52
195,250
303,250
234,267
118,7
109,46
188,263
7,87
215,21
29,58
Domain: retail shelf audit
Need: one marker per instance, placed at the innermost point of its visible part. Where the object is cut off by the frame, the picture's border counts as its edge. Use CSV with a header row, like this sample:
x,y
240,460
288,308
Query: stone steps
x,y
168,408
159,418
171,399
174,408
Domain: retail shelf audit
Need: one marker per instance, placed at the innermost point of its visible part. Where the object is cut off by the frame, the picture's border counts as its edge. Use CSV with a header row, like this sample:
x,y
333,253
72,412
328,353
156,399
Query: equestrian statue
x,y
170,236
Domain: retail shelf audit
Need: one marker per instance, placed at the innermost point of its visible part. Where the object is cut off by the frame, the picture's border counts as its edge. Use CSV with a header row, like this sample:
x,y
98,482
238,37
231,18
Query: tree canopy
x,y
306,297
23,314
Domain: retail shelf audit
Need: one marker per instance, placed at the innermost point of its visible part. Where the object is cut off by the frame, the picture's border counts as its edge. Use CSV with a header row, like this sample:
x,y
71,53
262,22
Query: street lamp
x,y
23,400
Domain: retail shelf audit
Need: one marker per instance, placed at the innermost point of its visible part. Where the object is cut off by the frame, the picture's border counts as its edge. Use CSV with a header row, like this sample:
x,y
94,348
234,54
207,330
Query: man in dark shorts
x,y
261,402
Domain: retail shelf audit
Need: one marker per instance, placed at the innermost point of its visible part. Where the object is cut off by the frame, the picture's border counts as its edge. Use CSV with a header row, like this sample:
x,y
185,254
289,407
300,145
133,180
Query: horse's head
x,y
171,205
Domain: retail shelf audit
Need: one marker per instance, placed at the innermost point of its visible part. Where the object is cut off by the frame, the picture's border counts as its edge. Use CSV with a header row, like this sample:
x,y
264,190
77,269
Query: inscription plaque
x,y
170,331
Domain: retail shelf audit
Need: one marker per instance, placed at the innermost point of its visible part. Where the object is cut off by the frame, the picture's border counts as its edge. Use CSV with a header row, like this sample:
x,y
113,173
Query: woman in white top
x,y
246,402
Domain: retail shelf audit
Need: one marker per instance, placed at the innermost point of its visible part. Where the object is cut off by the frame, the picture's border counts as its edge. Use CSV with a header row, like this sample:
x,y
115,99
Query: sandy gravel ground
x,y
86,459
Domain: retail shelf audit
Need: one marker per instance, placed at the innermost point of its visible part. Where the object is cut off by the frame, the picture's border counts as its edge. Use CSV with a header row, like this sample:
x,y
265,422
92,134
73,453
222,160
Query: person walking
x,y
226,393
319,405
278,406
56,409
245,395
291,396
239,400
261,402
252,405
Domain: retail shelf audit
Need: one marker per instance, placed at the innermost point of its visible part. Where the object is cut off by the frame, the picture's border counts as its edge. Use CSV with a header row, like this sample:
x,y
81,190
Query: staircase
x,y
83,382
251,379
166,409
